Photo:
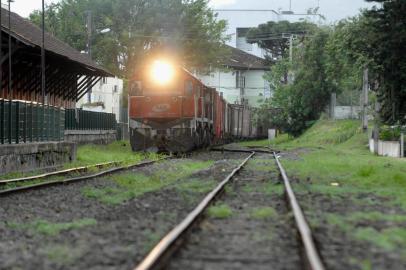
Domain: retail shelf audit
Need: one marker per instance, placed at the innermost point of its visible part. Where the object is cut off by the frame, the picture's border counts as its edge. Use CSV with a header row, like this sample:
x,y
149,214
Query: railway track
x,y
41,182
161,255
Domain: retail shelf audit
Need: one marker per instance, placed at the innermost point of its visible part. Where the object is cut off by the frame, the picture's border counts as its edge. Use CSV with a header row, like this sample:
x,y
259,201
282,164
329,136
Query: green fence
x,y
78,119
22,122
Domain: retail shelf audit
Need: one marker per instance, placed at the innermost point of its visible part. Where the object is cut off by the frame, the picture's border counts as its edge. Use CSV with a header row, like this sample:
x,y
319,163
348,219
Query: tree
x,y
301,103
388,23
187,30
274,36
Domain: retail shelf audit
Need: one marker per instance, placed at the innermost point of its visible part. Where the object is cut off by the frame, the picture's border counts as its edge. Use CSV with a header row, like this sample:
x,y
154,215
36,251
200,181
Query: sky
x,y
333,10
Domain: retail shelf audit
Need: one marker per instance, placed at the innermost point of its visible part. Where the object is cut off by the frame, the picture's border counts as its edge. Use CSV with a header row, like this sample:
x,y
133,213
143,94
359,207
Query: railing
x,y
22,122
78,119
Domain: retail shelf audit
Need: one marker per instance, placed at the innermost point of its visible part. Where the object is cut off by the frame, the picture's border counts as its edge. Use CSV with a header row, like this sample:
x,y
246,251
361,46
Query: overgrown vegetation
x,y
331,59
51,229
335,162
131,185
263,213
119,151
220,211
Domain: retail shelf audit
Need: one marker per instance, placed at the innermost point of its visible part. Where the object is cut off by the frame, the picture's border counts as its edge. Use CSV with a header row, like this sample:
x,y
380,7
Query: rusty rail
x,y
79,178
56,173
156,258
310,250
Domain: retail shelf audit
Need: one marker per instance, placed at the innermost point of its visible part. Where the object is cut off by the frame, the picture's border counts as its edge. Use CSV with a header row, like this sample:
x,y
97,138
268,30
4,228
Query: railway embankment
x,y
355,201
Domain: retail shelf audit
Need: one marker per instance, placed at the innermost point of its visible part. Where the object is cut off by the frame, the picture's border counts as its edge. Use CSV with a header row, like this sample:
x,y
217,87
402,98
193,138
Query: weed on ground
x,y
132,185
220,211
51,229
263,213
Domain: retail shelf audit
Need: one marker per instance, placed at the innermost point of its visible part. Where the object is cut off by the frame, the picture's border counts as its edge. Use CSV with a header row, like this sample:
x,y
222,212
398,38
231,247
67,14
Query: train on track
x,y
171,110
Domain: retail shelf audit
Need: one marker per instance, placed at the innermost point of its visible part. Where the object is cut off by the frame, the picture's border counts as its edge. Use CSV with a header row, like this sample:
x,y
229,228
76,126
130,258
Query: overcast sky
x,y
332,9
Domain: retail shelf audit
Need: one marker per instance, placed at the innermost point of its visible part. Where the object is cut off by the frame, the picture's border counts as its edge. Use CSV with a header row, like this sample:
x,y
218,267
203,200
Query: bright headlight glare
x,y
162,72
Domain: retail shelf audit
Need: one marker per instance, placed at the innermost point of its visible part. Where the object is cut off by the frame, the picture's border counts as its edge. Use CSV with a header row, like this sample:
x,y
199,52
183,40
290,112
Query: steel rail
x,y
240,150
310,249
79,178
154,259
61,172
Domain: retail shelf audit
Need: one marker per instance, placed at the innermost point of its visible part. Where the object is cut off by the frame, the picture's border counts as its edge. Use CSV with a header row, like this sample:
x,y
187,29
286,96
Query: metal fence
x,y
78,119
22,122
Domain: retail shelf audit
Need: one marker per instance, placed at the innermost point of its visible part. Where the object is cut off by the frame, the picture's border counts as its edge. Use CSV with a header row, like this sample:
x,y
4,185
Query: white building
x,y
104,97
241,80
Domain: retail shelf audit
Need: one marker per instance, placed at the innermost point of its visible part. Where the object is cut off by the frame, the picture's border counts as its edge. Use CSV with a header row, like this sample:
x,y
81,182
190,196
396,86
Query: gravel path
x,y
259,234
60,228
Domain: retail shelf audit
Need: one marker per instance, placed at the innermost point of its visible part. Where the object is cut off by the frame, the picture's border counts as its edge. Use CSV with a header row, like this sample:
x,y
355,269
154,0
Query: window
x,y
188,88
135,88
239,79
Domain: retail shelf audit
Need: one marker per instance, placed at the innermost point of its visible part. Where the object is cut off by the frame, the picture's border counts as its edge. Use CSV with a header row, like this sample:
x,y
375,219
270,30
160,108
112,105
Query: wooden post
x,y
402,145
365,89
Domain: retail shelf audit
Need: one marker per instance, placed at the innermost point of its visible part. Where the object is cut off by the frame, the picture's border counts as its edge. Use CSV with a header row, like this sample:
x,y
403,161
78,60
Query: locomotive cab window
x,y
188,88
135,88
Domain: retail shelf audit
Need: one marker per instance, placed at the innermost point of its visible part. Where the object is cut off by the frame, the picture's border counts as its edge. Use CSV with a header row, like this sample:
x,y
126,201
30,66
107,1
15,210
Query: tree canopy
x,y
187,30
387,52
274,36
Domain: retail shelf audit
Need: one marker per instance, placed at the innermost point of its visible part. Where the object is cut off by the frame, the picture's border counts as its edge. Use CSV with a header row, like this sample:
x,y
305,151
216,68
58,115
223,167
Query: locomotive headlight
x,y
162,72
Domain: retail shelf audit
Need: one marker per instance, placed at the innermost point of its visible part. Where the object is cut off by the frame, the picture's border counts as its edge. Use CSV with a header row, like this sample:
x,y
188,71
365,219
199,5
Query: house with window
x,y
105,96
241,80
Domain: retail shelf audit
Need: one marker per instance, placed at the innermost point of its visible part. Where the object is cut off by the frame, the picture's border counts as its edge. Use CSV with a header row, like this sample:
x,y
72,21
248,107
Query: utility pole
x,y
89,48
44,98
365,88
43,55
291,48
10,89
1,78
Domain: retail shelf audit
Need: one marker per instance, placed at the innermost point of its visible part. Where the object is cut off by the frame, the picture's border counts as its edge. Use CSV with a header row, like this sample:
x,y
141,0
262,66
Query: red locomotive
x,y
171,110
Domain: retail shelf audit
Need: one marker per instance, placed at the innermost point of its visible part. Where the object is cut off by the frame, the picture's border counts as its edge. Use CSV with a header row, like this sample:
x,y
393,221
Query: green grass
x,y
355,224
267,188
90,154
338,155
196,186
262,165
132,185
117,151
263,213
283,138
221,211
62,254
51,229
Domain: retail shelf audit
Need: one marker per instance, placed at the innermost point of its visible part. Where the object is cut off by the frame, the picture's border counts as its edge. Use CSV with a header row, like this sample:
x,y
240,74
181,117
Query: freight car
x,y
171,110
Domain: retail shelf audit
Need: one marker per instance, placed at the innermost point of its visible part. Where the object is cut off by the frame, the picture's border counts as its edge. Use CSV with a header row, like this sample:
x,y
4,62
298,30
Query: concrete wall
x,y
386,148
90,136
347,112
34,156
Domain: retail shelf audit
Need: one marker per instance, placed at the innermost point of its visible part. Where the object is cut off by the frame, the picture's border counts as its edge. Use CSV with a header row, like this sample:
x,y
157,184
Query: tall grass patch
x,y
131,185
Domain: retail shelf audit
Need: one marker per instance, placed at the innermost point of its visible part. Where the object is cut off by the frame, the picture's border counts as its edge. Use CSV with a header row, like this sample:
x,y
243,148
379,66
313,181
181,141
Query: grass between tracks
x,y
220,211
131,185
332,159
51,229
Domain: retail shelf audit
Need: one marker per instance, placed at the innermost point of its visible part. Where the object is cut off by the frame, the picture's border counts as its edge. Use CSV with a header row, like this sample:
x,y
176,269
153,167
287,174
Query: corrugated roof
x,y
31,35
242,60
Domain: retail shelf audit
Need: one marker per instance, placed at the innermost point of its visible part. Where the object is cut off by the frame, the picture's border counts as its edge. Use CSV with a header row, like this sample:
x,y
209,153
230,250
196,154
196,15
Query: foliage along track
x,y
109,222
